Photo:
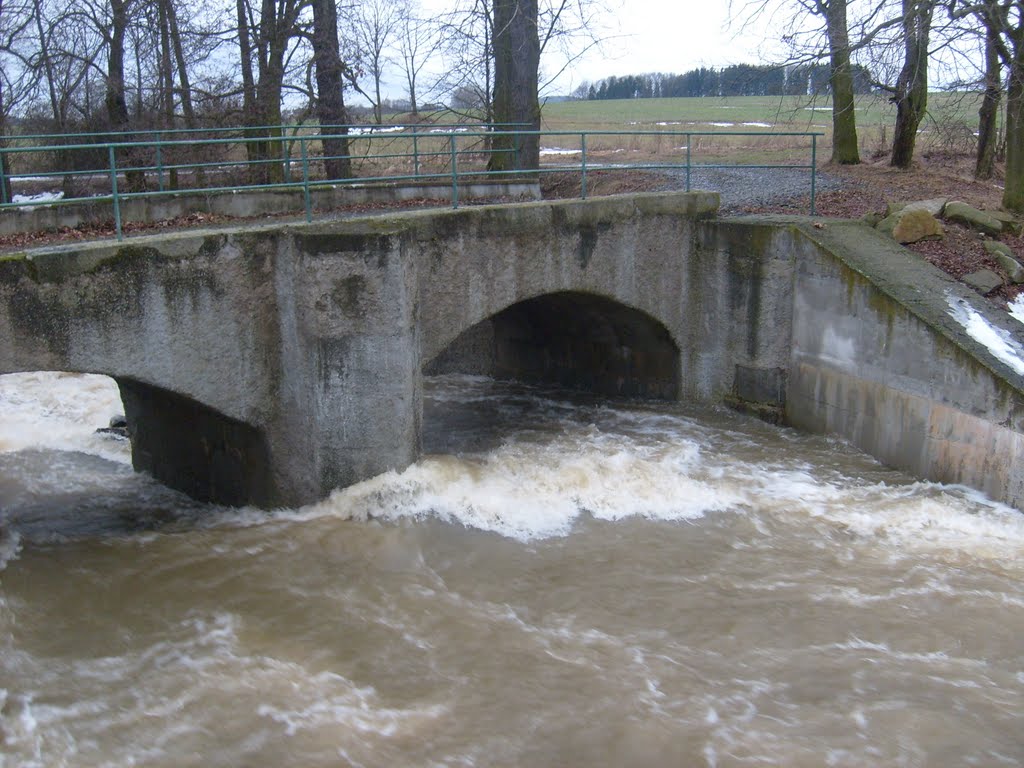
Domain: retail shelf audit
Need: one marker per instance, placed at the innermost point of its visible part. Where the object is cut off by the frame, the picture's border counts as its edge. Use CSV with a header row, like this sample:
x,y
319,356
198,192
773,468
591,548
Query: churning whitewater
x,y
562,581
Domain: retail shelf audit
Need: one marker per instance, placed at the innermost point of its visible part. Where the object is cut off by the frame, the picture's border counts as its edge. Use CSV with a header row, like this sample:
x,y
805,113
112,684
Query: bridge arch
x,y
574,339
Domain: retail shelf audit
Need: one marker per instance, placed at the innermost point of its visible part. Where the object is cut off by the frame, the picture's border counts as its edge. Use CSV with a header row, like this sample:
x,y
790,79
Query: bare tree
x,y
911,92
375,26
468,33
16,78
988,112
265,42
829,39
330,99
419,40
516,67
1004,21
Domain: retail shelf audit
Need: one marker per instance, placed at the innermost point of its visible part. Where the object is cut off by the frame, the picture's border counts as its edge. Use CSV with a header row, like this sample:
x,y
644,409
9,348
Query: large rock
x,y
910,225
1014,269
969,216
983,281
1010,222
916,224
1004,257
934,206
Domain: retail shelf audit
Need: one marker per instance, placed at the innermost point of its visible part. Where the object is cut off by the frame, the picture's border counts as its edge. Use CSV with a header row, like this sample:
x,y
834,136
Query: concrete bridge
x,y
269,365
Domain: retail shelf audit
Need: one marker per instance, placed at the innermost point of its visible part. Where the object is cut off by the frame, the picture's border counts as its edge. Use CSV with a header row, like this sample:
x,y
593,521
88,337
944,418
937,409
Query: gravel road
x,y
743,188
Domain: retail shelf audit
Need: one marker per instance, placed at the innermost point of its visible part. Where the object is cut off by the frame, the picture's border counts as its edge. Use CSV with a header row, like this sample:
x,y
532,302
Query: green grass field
x,y
949,126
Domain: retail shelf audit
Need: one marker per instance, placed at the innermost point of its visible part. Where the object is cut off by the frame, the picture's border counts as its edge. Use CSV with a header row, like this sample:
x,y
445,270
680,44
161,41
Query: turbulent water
x,y
563,581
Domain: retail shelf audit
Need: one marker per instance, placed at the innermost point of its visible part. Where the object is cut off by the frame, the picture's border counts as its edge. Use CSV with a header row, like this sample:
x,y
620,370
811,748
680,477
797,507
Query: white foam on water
x,y
526,490
60,411
996,340
632,462
10,548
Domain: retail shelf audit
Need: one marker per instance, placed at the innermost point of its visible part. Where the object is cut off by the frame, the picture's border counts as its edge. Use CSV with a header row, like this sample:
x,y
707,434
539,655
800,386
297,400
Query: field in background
x,y
948,129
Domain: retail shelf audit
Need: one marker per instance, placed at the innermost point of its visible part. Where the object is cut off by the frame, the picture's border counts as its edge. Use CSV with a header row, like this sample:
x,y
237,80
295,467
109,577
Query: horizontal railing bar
x,y
454,152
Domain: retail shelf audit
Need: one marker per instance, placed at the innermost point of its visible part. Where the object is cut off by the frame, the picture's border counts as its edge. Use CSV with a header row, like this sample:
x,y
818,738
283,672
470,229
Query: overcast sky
x,y
674,36
652,36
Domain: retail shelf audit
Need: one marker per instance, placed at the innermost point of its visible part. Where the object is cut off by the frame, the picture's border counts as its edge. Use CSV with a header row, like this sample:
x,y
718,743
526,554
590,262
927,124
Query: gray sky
x,y
673,36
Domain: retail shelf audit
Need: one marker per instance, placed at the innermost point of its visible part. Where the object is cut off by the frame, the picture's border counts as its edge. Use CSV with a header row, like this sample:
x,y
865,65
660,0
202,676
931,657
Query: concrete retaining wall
x,y
877,358
247,203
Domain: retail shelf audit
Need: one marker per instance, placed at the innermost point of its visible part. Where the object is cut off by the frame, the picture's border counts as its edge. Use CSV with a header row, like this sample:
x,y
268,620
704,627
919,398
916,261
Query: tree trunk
x,y
117,105
167,78
5,189
1013,191
188,111
844,124
330,101
989,111
516,64
250,117
912,84
59,114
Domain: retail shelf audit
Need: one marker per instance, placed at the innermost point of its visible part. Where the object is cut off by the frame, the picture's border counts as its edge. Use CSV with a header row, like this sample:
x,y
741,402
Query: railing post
x,y
415,153
455,171
689,143
305,179
3,179
814,171
583,166
113,191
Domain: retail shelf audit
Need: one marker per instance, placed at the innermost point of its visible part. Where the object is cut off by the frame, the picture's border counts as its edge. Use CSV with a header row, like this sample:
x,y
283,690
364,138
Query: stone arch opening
x,y
571,339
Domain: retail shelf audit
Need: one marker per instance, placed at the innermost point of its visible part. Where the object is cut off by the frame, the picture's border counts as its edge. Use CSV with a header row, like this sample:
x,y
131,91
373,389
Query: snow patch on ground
x,y
558,151
1017,308
366,130
996,340
40,199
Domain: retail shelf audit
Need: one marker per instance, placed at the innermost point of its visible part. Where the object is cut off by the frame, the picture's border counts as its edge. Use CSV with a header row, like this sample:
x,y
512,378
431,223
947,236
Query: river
x,y
561,581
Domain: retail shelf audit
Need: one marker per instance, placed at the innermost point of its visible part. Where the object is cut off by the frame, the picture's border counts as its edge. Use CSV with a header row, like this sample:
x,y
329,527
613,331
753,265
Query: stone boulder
x,y
1011,223
118,427
934,206
910,225
872,219
1004,257
983,281
969,216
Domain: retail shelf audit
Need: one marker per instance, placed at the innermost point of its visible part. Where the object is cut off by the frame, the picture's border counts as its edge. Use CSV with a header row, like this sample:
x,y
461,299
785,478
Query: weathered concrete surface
x,y
878,358
644,252
308,340
242,204
273,364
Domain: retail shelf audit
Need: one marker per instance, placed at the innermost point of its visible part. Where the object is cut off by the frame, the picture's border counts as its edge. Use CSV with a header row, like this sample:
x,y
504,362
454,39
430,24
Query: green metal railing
x,y
396,155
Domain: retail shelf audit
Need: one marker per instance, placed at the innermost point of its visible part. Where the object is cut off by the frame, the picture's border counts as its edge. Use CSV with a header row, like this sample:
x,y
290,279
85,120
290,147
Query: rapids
x,y
561,581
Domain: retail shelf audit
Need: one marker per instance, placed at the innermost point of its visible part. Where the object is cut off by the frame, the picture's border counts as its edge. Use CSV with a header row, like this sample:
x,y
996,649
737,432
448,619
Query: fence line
x,y
117,171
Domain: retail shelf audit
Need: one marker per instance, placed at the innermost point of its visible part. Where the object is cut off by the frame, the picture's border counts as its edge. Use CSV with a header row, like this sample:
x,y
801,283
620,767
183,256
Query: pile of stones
x,y
923,220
